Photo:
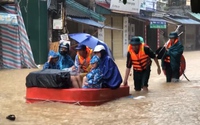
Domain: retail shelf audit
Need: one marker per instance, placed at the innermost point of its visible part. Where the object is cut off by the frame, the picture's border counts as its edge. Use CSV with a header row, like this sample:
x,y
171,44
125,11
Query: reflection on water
x,y
164,104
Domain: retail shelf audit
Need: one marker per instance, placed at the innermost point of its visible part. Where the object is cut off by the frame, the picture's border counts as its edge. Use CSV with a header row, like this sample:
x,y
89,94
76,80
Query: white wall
x,y
125,35
188,2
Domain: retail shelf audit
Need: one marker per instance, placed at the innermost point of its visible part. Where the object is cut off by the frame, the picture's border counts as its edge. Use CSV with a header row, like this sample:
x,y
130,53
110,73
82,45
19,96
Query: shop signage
x,y
131,6
148,5
158,24
57,24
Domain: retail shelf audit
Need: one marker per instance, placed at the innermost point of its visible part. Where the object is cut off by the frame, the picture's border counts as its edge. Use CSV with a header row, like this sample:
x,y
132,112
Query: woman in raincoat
x,y
111,75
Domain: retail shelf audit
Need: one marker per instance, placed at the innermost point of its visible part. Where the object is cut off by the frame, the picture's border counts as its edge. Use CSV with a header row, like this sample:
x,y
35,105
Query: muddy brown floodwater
x,y
164,104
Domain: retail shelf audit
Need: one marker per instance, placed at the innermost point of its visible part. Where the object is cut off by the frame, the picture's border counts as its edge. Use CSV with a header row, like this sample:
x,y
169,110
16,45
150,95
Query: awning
x,y
182,20
86,21
105,5
91,23
73,12
102,8
195,15
85,10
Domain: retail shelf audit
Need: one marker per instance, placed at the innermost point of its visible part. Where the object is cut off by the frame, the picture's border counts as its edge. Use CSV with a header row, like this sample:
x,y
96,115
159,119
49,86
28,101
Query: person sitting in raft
x,y
52,62
82,59
111,75
94,78
66,63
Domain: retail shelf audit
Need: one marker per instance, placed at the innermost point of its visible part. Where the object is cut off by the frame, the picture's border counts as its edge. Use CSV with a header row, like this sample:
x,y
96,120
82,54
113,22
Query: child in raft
x,y
94,78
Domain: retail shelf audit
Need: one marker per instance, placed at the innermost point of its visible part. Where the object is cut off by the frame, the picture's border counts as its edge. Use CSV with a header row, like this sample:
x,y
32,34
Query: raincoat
x,y
111,75
94,77
65,62
50,65
174,52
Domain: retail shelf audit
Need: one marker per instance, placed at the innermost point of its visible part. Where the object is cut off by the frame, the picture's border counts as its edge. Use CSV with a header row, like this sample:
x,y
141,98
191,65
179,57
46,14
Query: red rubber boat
x,y
87,97
182,66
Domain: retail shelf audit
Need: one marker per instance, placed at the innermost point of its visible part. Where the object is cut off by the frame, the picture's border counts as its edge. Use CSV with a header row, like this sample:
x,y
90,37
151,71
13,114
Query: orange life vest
x,y
140,61
167,59
85,62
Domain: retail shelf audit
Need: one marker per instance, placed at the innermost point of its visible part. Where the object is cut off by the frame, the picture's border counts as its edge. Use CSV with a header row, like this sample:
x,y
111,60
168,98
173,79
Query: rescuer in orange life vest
x,y
172,58
139,56
82,59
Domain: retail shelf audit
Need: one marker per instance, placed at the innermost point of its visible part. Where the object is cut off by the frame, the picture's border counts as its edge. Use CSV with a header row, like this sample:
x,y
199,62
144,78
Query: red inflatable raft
x,y
87,97
182,66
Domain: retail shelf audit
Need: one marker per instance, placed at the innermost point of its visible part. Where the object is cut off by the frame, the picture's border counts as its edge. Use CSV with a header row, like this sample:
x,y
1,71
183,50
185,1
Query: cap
x,y
94,59
81,47
135,40
173,35
98,48
64,45
53,54
141,39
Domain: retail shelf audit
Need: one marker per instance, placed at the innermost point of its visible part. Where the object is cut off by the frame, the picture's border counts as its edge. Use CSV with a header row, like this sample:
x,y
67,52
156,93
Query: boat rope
x,y
77,103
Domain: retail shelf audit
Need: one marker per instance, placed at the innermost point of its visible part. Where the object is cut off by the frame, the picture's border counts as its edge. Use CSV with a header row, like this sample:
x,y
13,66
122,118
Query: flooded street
x,y
164,104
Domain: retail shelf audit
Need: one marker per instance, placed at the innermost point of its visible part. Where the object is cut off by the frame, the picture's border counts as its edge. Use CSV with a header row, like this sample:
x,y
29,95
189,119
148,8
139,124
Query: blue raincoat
x,y
111,75
48,65
94,77
65,62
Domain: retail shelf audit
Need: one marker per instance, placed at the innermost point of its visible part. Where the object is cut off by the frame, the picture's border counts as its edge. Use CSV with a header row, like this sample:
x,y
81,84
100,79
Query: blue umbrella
x,y
90,41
